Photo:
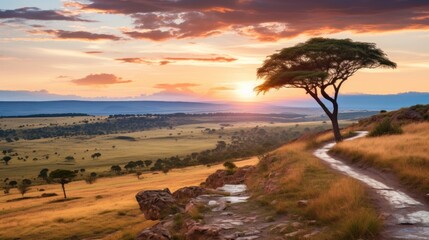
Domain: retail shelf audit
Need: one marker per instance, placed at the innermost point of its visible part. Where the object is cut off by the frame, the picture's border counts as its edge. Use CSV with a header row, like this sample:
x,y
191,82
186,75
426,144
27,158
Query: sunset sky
x,y
197,49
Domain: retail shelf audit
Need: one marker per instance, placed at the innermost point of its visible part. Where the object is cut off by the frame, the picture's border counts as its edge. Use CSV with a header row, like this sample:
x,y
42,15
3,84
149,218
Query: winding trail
x,y
406,217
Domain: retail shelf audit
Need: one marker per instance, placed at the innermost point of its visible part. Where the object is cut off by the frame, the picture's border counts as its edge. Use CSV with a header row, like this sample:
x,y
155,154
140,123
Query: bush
x,y
385,128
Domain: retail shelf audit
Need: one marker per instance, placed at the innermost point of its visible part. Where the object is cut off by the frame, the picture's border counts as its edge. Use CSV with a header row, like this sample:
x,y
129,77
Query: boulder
x,y
157,204
222,177
185,194
196,231
156,232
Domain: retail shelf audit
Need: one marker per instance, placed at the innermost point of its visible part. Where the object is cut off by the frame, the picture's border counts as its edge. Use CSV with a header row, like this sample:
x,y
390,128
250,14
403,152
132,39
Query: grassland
x,y
125,147
37,122
405,155
338,204
106,209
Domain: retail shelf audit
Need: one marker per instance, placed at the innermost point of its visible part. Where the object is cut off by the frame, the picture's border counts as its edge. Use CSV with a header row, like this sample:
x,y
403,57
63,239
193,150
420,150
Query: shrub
x,y
230,167
385,128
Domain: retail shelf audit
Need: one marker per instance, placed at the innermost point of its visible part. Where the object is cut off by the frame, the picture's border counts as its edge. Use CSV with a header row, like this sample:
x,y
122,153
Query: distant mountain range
x,y
18,103
139,107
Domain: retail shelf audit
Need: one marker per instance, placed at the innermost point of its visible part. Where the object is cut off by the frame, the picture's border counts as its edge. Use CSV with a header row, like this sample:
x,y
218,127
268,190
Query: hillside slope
x,y
405,154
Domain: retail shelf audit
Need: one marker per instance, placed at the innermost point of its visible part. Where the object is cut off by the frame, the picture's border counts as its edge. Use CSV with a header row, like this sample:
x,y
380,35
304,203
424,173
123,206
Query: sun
x,y
245,91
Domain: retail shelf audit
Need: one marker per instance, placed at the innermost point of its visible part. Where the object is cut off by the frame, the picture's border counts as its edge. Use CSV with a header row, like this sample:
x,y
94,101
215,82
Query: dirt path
x,y
406,217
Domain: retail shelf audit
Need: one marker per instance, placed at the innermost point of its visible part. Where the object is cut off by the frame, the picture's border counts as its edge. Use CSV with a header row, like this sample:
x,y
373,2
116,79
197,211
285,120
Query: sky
x,y
198,49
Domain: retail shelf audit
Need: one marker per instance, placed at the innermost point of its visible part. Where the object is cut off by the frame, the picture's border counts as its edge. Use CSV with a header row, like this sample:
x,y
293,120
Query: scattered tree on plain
x,y
6,160
116,169
96,155
91,178
320,66
44,174
62,177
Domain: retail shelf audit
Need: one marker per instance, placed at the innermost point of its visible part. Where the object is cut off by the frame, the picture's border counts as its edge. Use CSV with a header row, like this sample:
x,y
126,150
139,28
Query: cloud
x,y
99,79
135,60
79,35
265,20
168,60
93,52
33,13
177,87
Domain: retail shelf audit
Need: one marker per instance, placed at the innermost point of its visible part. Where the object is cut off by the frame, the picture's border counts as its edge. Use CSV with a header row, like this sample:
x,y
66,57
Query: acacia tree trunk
x,y
333,116
64,190
336,128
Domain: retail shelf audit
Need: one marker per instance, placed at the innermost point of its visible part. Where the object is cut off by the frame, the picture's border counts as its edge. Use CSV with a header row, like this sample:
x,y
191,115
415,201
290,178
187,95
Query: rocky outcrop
x,y
222,177
157,232
197,231
184,195
157,204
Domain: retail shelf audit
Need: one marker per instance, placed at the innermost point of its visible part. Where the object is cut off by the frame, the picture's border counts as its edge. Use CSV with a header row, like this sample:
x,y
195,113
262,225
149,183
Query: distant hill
x,y
417,113
140,107
371,101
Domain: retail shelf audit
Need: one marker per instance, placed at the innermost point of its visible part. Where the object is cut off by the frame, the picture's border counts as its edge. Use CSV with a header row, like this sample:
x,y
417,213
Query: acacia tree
x,y
6,160
320,66
62,177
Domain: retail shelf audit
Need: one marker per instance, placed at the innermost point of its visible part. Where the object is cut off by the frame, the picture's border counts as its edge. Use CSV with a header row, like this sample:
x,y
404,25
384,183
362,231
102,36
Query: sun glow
x,y
244,91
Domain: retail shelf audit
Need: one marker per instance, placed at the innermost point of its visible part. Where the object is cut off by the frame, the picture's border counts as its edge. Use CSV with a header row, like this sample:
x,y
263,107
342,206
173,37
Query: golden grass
x,y
294,174
405,155
114,215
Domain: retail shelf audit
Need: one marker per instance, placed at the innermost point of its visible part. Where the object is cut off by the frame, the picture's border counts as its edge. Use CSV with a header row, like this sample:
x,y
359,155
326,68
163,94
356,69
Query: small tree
x,y
96,155
230,167
26,181
13,183
62,177
130,166
23,188
44,174
165,170
6,160
147,163
69,158
91,178
320,66
116,169
140,163
138,174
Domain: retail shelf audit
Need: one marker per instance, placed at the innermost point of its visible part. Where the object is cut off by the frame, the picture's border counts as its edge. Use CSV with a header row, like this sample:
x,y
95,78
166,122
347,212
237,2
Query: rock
x,y
220,207
296,224
294,234
222,177
302,203
185,194
156,232
157,204
196,231
310,235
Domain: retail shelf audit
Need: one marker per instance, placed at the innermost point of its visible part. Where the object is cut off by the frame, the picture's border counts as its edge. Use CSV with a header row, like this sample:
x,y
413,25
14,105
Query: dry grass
x,y
335,201
405,155
114,215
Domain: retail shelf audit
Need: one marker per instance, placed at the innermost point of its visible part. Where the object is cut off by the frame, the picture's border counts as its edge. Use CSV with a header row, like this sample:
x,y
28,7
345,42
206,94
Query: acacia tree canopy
x,y
319,66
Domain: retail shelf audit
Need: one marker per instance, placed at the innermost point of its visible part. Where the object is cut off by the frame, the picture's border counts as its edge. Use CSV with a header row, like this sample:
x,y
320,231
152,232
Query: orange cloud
x,y
168,60
99,79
